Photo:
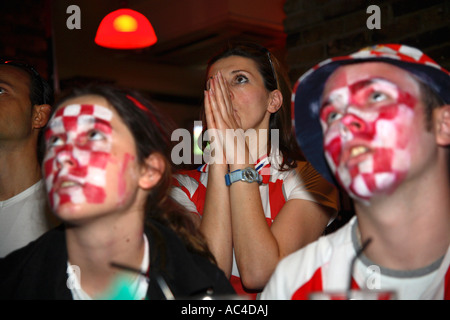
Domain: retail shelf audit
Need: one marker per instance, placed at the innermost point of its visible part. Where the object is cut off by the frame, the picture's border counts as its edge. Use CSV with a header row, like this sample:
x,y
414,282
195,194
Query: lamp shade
x,y
125,29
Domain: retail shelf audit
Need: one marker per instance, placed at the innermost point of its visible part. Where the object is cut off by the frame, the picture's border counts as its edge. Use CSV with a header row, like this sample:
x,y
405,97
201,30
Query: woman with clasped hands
x,y
257,200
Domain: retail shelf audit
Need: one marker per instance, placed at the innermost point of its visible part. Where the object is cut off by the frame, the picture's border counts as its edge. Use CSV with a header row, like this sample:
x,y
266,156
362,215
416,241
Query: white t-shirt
x,y
24,217
324,265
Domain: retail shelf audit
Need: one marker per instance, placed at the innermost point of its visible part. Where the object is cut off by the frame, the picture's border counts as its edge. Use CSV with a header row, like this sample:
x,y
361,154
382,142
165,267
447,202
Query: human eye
x,y
2,91
54,141
377,96
329,114
240,79
95,135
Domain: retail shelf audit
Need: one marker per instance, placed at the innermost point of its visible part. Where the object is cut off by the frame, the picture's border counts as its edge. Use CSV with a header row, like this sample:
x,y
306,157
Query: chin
x,y
71,212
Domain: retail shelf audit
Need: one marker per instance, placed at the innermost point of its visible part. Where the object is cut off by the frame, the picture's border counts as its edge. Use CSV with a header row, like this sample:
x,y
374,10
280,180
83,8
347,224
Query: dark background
x,y
300,33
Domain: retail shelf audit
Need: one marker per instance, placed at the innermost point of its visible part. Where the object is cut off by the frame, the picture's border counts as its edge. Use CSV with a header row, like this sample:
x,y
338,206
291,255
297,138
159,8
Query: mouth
x,y
358,150
353,155
66,183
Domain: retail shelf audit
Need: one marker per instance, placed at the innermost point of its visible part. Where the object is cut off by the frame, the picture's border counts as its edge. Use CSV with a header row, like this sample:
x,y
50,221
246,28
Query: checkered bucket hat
x,y
309,87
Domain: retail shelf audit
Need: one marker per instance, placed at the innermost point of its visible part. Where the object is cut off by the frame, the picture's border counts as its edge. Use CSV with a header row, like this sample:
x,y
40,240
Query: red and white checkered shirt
x,y
278,187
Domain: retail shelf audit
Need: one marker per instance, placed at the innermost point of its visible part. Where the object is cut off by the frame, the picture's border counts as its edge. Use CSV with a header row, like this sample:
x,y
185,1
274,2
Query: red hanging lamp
x,y
125,29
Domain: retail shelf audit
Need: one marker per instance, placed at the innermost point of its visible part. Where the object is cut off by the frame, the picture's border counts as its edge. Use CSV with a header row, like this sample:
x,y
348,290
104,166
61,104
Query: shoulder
x,y
41,247
300,267
190,180
35,270
190,175
186,272
306,180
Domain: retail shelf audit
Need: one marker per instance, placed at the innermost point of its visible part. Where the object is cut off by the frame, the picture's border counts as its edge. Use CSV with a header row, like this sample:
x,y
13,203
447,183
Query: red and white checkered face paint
x,y
78,149
366,128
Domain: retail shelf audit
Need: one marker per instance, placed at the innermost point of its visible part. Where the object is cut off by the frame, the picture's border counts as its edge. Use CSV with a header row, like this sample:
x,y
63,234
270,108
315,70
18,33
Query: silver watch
x,y
247,175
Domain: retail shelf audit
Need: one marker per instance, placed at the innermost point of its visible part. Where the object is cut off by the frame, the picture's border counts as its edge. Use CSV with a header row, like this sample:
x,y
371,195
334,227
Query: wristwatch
x,y
247,175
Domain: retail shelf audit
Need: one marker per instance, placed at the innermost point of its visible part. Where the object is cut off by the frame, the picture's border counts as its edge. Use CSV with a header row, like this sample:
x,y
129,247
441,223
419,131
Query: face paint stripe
x,y
384,180
70,123
94,194
382,160
96,177
102,113
360,186
71,110
86,109
99,159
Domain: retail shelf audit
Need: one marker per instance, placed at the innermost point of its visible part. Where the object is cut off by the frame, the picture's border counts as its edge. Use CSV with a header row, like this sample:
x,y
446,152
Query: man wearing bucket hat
x,y
378,123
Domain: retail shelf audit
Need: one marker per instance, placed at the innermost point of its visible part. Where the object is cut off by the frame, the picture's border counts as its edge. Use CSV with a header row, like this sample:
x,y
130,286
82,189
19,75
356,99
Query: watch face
x,y
249,175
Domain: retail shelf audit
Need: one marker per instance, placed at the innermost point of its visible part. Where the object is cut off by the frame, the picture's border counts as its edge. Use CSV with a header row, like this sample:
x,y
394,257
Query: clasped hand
x,y
227,138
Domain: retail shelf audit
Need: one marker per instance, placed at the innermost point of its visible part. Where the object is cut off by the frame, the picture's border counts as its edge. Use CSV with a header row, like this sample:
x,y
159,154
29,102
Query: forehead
x,y
87,100
233,63
14,76
354,73
74,114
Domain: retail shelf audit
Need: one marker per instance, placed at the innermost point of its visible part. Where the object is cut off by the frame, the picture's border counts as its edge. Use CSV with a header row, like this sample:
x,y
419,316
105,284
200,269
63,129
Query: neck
x,y
259,147
95,245
410,228
19,168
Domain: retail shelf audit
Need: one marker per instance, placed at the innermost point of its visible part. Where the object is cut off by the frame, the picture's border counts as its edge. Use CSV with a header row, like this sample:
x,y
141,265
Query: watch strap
x,y
238,175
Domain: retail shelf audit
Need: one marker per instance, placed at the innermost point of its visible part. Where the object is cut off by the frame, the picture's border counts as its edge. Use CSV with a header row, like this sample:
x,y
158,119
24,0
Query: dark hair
x,y
40,90
151,132
275,77
431,101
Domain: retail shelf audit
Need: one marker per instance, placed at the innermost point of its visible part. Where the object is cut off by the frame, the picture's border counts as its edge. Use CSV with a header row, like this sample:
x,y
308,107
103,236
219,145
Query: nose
x,y
353,123
65,157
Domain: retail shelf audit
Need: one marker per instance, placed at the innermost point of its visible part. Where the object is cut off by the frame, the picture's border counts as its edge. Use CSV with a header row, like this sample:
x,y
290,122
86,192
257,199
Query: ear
x,y
152,171
275,101
442,120
41,114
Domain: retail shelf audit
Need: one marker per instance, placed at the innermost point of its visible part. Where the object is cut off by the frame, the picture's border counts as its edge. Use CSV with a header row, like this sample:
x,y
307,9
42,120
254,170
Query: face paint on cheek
x,y
122,178
94,194
333,151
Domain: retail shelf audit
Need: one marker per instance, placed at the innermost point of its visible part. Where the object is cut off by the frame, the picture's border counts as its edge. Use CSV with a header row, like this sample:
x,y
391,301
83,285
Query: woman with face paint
x,y
107,175
257,200
382,116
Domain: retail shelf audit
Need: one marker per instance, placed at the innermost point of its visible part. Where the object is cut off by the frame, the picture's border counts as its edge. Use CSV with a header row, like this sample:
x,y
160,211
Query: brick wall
x,y
318,29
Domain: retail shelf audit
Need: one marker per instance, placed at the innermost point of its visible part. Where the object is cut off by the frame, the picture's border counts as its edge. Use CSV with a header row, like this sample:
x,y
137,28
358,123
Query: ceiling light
x,y
125,29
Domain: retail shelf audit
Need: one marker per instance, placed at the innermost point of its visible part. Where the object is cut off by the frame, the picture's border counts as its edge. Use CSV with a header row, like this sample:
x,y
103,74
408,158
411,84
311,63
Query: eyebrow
x,y
9,84
358,86
91,119
240,70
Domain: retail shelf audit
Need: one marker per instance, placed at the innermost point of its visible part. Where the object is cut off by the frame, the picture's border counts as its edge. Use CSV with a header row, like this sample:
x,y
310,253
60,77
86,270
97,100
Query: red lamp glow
x,y
125,29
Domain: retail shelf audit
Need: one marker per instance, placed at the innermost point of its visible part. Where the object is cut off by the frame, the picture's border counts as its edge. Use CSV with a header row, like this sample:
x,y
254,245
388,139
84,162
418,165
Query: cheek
x,y
395,132
126,173
249,101
332,146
